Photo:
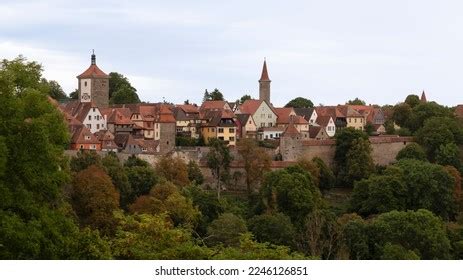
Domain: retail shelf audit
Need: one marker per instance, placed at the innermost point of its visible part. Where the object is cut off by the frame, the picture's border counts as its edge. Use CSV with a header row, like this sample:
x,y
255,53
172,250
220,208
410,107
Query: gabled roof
x,y
250,106
298,120
93,72
304,112
283,114
332,111
118,116
83,136
314,131
104,135
324,120
243,118
77,109
188,108
213,104
291,131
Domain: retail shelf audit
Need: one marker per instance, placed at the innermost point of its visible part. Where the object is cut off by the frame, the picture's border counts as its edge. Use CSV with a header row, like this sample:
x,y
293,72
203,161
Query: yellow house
x,y
221,125
353,118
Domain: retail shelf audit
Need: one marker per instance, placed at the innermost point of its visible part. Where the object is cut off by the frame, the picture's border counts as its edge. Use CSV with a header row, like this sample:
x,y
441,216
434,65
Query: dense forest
x,y
97,207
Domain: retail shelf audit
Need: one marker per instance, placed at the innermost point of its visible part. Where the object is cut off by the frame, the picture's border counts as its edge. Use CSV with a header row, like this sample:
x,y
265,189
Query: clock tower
x,y
94,85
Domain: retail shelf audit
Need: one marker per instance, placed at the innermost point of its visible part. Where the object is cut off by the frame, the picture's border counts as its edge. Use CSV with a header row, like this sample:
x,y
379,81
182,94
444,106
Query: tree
x,y
153,237
218,160
356,101
84,159
438,131
120,90
344,141
397,252
359,163
290,191
412,151
457,185
401,114
141,179
276,229
194,173
310,167
418,231
412,100
214,95
327,178
249,249
94,198
34,217
300,102
133,161
256,162
173,169
166,198
244,98
423,112
116,171
74,94
54,90
449,154
226,230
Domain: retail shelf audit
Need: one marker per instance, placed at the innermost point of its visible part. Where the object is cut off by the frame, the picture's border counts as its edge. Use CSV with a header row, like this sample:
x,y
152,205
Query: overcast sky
x,y
327,51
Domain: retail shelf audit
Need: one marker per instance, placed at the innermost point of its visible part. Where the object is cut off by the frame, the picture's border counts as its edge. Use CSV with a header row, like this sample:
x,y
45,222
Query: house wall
x,y
356,122
97,122
264,115
228,134
85,87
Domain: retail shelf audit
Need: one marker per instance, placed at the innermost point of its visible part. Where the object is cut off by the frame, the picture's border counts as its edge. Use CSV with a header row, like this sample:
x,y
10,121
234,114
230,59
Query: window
x,y
89,118
102,125
269,116
231,130
220,130
250,122
221,138
266,136
270,124
350,120
97,117
87,137
85,83
93,147
97,126
361,120
271,135
89,126
93,110
213,129
232,138
262,124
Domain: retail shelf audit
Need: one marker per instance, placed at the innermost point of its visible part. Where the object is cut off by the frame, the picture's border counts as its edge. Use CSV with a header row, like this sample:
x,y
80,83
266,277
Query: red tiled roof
x,y
213,104
284,114
84,136
423,97
299,120
250,106
291,130
188,108
323,120
93,72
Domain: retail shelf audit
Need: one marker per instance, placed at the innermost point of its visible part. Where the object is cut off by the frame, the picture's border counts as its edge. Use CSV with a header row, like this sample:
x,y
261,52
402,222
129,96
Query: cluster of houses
x,y
153,127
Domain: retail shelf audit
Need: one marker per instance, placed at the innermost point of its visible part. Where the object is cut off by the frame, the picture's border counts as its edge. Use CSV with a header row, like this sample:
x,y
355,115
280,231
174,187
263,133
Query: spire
x,y
93,57
264,76
423,97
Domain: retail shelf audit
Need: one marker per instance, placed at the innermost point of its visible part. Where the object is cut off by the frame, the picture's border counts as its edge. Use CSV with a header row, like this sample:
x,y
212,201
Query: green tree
x,y
116,171
402,114
273,228
438,131
153,237
356,101
141,179
327,178
397,252
256,162
300,102
54,90
84,159
226,230
449,154
120,90
194,173
244,98
164,197
423,112
74,94
344,141
214,95
359,163
290,191
412,151
412,100
249,249
218,160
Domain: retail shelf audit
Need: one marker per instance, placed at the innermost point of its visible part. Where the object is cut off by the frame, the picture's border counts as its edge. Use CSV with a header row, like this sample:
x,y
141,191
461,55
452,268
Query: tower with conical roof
x,y
423,97
94,85
264,84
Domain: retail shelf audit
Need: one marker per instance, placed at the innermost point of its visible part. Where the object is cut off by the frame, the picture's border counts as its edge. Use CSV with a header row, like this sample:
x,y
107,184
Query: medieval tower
x,y
94,85
264,85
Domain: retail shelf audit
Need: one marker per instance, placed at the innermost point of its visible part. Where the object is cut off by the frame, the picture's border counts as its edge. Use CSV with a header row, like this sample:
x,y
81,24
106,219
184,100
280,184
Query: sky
x,y
327,51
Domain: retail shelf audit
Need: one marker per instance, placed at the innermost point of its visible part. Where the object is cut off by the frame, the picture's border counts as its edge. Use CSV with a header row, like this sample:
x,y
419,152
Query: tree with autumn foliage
x,y
173,169
94,198
256,162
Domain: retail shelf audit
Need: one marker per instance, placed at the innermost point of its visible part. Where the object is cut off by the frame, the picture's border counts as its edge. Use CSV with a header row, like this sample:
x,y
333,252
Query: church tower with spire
x,y
264,84
94,85
423,97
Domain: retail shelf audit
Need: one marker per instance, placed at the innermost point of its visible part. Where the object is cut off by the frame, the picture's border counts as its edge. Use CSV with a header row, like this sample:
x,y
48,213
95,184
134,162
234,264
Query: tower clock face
x,y
85,97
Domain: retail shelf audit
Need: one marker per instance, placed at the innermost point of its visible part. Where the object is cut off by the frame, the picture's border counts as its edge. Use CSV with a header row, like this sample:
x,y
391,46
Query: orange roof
x,y
423,97
84,136
213,104
188,108
284,114
291,130
250,106
299,120
93,72
323,120
264,75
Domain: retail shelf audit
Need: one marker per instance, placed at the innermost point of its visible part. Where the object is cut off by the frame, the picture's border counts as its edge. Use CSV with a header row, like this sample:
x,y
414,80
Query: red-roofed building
x,y
83,139
94,85
263,114
87,113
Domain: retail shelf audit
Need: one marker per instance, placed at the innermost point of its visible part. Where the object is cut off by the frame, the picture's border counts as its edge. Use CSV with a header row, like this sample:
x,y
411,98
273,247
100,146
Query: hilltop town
x,y
156,128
